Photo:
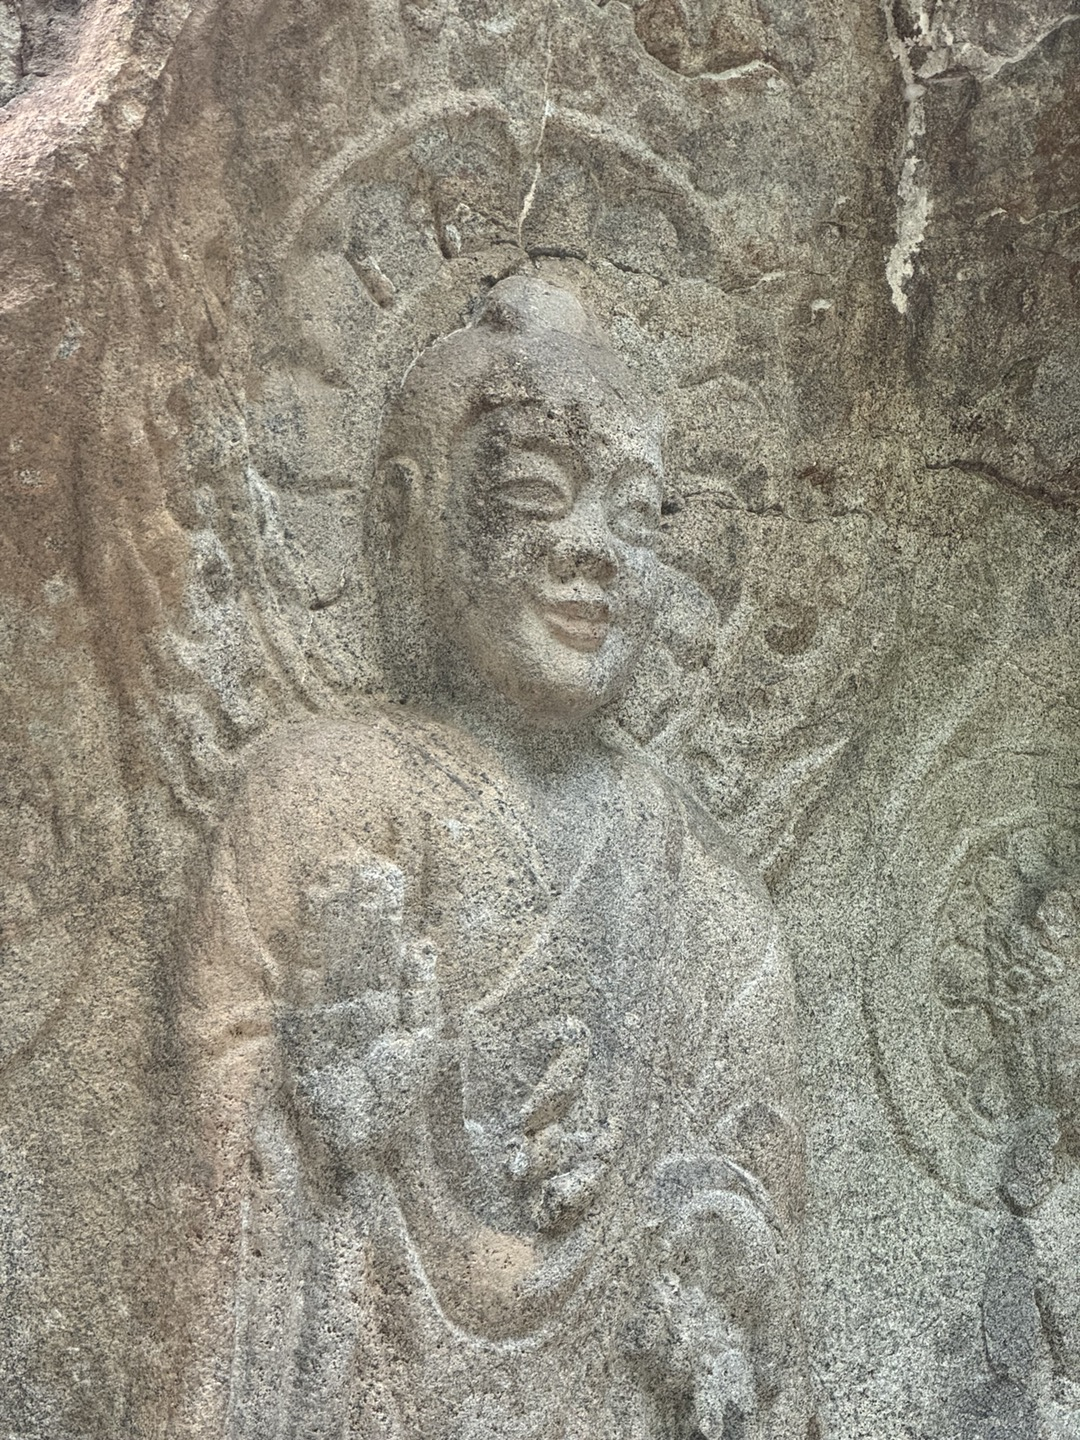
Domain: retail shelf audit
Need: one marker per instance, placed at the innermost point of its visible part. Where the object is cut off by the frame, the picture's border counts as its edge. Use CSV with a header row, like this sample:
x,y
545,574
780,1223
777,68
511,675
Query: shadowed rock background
x,y
841,242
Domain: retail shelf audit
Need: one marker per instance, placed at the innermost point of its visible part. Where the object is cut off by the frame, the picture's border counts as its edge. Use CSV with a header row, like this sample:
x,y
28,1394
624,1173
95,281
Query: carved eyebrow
x,y
641,468
553,451
559,454
537,433
523,460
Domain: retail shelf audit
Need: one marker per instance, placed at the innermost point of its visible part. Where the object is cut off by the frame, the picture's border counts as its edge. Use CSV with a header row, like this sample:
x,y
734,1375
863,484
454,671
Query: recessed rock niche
x,y
540,786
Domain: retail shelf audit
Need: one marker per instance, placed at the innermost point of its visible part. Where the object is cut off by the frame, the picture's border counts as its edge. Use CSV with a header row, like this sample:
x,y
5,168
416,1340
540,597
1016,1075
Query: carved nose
x,y
584,555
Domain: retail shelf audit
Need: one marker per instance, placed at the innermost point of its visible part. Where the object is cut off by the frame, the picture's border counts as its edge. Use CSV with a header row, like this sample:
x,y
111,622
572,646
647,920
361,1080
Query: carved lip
x,y
581,624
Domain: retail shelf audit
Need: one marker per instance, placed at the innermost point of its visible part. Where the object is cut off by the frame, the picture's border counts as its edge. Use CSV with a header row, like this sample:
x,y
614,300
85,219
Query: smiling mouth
x,y
580,624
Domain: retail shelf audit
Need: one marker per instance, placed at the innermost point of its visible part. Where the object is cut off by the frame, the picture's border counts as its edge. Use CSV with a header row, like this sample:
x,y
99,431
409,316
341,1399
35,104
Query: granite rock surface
x,y
792,444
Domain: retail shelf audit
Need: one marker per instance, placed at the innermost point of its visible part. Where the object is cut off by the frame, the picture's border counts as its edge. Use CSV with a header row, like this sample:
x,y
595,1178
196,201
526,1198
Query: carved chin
x,y
570,678
566,703
555,665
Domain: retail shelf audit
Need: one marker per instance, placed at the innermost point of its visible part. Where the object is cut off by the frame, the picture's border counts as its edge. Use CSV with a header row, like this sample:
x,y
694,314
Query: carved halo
x,y
943,1003
338,323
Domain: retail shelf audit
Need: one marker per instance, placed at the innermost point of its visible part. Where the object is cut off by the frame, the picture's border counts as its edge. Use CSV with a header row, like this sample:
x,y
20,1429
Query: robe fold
x,y
491,1152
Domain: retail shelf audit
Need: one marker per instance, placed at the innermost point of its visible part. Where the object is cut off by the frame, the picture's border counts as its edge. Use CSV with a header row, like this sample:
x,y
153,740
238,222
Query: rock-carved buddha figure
x,y
493,1031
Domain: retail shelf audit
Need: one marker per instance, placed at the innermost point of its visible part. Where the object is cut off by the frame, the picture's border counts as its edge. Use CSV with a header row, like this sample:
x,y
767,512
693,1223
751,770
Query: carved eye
x,y
540,497
637,522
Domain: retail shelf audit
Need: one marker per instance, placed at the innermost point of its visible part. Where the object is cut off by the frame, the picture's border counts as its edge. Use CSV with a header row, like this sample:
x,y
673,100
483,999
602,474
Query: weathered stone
x,y
835,246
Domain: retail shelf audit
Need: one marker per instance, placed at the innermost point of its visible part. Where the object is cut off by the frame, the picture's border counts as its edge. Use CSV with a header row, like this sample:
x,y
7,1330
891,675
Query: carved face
x,y
546,573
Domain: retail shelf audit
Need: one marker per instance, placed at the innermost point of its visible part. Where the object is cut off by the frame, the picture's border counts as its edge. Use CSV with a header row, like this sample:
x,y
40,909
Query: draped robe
x,y
488,1152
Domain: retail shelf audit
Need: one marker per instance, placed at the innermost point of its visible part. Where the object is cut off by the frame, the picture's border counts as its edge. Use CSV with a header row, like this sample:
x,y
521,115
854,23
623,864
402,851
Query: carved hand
x,y
559,1168
362,1056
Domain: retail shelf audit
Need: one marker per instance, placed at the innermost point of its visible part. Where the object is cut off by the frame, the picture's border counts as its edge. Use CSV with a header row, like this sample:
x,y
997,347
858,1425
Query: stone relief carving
x,y
492,1034
221,248
1029,992
374,257
998,1059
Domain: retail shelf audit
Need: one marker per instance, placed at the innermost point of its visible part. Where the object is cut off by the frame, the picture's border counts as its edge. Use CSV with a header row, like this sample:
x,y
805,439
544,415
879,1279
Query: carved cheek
x,y
527,548
487,551
504,564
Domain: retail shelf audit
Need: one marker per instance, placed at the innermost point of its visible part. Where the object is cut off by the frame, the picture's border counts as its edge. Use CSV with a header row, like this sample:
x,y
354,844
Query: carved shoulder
x,y
317,800
720,883
316,792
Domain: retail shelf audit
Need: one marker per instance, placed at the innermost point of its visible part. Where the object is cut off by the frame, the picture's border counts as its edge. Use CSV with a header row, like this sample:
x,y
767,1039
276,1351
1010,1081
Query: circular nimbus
x,y
387,248
951,1001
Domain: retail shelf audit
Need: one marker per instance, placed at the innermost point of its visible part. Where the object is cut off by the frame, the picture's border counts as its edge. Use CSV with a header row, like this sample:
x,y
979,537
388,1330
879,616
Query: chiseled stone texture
x,y
836,246
491,1038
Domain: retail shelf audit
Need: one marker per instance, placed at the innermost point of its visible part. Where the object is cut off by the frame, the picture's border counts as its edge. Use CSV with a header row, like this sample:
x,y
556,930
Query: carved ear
x,y
397,485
